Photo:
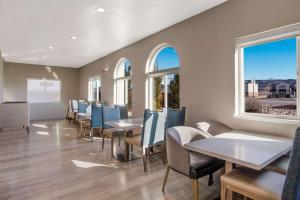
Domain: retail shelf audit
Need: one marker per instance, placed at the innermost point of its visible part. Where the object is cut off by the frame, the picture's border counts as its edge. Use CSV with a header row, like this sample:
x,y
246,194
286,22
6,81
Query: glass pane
x,y
42,91
53,90
173,91
167,58
157,93
270,72
120,92
124,69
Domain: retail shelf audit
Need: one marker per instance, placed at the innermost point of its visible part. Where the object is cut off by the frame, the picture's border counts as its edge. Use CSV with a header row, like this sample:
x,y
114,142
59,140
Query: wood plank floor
x,y
53,162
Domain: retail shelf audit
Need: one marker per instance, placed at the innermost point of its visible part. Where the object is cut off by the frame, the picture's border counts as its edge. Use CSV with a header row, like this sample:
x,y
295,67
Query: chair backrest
x,y
153,131
175,117
213,128
110,114
97,116
123,111
178,156
291,189
82,106
73,105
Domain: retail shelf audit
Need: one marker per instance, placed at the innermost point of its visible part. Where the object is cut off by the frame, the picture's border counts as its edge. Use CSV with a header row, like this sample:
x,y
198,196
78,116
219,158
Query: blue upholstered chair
x,y
153,133
123,111
110,114
96,120
175,117
266,184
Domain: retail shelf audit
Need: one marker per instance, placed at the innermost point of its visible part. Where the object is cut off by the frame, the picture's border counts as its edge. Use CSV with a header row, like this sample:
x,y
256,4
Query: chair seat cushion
x,y
202,165
265,184
108,133
280,165
135,140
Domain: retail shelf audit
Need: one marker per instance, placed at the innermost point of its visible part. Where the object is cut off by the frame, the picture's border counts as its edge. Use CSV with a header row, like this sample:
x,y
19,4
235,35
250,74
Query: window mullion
x,y
298,78
166,91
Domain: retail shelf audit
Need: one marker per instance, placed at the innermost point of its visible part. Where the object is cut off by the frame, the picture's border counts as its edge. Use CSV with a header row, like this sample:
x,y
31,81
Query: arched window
x,y
162,82
123,83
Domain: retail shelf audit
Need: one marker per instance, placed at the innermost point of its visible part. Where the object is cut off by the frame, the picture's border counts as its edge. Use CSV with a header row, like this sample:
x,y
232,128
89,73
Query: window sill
x,y
267,119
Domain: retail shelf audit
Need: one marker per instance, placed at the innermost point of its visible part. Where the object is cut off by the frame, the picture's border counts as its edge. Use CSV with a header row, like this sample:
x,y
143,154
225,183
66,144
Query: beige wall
x,y
15,78
1,78
205,44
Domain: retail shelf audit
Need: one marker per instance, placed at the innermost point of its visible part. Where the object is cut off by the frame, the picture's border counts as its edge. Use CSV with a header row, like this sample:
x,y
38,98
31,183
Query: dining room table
x,y
248,149
127,125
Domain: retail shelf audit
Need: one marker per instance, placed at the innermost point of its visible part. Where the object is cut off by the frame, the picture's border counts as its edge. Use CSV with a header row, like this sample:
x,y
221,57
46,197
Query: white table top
x,y
126,123
248,149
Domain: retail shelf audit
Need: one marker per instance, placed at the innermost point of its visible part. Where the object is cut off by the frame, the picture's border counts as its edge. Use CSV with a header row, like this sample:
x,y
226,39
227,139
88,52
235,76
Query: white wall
x,y
1,78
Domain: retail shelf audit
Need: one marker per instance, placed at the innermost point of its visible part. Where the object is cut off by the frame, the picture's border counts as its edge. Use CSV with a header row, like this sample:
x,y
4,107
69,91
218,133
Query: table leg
x,y
228,168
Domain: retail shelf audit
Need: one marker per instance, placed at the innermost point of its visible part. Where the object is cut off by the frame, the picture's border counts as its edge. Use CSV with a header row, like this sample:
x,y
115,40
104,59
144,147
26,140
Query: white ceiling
x,y
29,27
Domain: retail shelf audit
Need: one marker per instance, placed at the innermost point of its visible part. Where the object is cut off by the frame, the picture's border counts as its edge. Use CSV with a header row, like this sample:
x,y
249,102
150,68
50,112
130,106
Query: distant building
x,y
273,88
253,89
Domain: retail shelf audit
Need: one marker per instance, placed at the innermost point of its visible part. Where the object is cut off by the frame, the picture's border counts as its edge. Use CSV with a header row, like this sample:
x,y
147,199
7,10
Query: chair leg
x,y
126,151
163,153
195,189
112,146
131,147
102,141
165,179
92,134
145,159
81,128
223,191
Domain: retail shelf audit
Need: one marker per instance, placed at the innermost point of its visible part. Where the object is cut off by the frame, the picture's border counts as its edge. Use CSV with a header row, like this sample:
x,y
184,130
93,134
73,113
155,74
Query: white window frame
x,y
151,72
123,78
60,83
90,88
291,31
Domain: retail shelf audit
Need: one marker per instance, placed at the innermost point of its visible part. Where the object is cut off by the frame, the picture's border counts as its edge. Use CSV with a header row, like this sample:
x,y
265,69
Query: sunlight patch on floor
x,y
40,125
42,133
86,165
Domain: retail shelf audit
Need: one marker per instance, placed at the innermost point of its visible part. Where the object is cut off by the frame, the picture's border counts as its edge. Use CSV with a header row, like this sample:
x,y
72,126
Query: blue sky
x,y
276,60
167,58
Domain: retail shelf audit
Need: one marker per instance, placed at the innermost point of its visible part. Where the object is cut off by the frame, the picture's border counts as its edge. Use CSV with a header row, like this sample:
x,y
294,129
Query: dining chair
x,y
280,165
96,121
264,184
190,164
153,133
123,111
212,128
83,115
108,132
175,117
72,110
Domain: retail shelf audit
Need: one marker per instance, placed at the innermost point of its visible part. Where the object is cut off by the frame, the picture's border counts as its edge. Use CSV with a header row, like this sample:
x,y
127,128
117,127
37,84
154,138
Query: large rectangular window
x,y
43,91
95,89
267,77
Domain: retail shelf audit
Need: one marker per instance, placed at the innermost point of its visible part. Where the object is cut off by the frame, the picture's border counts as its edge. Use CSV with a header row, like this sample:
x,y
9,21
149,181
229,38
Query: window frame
x,y
291,31
40,102
90,93
151,72
122,78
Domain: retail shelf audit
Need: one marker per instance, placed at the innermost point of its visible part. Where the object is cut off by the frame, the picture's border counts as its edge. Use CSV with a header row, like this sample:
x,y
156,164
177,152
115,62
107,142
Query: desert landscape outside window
x,y
270,78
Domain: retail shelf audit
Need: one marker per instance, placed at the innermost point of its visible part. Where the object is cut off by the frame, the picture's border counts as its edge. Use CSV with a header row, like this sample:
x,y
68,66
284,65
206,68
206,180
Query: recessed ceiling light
x,y
74,38
51,47
45,57
100,10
